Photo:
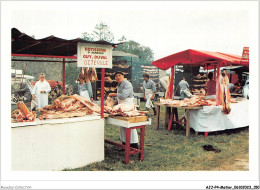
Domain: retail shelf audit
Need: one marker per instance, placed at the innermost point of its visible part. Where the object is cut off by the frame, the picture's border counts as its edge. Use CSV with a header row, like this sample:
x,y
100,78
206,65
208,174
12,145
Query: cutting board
x,y
134,119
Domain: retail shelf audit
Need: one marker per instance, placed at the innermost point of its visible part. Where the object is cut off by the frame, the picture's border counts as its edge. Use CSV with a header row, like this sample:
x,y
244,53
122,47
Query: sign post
x,y
97,56
94,55
245,56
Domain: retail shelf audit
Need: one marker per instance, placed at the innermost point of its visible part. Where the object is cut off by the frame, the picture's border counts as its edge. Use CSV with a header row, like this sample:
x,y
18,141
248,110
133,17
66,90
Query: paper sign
x,y
245,55
94,55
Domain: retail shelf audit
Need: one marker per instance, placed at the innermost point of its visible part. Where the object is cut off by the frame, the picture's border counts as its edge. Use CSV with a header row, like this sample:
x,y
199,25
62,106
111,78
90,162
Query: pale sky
x,y
165,27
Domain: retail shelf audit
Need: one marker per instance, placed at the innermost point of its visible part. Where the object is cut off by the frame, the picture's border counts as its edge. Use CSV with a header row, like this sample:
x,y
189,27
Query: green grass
x,y
172,151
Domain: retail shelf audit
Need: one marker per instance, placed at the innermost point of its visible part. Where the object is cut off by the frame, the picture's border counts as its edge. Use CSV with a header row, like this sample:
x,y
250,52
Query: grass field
x,y
172,151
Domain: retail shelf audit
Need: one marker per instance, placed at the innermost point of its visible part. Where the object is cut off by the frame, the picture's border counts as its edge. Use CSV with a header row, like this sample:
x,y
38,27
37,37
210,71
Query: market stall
x,y
208,60
56,144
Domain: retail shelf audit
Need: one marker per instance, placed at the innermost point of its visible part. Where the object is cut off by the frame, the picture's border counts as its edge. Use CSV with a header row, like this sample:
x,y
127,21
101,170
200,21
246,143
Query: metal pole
x,y
102,91
63,76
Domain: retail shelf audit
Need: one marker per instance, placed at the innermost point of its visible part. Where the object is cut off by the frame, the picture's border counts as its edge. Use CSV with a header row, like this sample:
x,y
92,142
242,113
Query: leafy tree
x,y
122,39
145,53
87,36
102,32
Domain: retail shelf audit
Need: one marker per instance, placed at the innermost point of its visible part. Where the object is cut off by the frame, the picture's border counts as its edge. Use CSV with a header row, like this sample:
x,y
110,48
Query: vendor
x,y
149,91
40,91
210,87
125,95
184,88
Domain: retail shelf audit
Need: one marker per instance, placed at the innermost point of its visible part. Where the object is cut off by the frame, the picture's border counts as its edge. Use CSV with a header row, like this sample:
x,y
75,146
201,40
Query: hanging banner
x,y
245,56
94,55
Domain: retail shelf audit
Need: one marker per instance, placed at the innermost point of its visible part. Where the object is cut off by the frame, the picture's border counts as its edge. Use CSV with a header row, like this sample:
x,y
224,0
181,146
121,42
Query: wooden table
x,y
130,123
171,111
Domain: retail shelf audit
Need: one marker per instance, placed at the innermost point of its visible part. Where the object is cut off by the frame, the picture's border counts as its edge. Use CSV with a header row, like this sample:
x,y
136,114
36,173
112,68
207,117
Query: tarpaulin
x,y
198,58
212,118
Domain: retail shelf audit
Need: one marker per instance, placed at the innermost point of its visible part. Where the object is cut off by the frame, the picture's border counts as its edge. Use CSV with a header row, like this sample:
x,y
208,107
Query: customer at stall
x,y
210,87
85,90
184,88
149,92
40,91
125,95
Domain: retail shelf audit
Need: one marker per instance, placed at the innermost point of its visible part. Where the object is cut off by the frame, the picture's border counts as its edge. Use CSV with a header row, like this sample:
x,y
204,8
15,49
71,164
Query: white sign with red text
x,y
94,55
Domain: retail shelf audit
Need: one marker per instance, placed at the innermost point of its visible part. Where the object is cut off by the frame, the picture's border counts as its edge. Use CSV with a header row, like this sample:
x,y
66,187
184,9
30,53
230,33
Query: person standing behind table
x,y
125,95
210,87
85,90
149,92
40,91
184,88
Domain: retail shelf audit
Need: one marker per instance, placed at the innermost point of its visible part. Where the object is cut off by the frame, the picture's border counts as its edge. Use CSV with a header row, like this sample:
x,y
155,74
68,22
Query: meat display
x,y
69,106
223,94
195,101
110,102
123,109
86,75
108,79
22,113
92,74
167,93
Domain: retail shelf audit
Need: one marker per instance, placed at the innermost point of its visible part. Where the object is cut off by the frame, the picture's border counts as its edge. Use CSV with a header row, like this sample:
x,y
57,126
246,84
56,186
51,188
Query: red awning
x,y
198,58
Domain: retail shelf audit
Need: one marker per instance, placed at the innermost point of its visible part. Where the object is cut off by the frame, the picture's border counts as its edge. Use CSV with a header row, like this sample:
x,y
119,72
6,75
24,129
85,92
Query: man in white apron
x,y
40,91
125,95
149,92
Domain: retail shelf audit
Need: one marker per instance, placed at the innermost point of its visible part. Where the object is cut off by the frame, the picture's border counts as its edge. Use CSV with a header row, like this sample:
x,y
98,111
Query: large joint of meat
x,y
22,113
110,102
223,94
90,105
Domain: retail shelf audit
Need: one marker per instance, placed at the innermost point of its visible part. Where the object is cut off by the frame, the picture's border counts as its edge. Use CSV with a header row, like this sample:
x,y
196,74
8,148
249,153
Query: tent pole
x,y
63,76
102,91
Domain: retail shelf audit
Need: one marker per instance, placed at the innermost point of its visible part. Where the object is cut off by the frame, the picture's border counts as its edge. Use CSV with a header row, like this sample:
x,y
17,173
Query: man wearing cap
x,y
149,92
125,95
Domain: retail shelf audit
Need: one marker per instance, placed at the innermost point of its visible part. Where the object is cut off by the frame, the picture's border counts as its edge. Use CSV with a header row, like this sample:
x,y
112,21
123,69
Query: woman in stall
x,y
210,87
125,95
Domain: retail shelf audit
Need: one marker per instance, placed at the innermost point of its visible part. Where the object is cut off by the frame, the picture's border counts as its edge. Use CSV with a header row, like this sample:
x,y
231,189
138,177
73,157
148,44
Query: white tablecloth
x,y
211,118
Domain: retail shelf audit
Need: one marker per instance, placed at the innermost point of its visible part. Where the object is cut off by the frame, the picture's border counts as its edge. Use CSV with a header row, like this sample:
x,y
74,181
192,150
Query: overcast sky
x,y
165,27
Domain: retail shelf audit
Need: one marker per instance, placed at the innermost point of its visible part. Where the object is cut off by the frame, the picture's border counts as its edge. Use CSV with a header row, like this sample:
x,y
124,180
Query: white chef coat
x,y
134,135
41,98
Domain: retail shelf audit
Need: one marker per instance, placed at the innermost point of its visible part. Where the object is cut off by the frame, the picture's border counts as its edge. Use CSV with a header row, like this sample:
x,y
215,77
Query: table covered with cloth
x,y
211,118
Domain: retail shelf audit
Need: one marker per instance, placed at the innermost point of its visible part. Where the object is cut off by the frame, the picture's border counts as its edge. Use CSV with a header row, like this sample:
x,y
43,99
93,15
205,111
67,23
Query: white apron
x,y
148,94
41,98
134,135
84,94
